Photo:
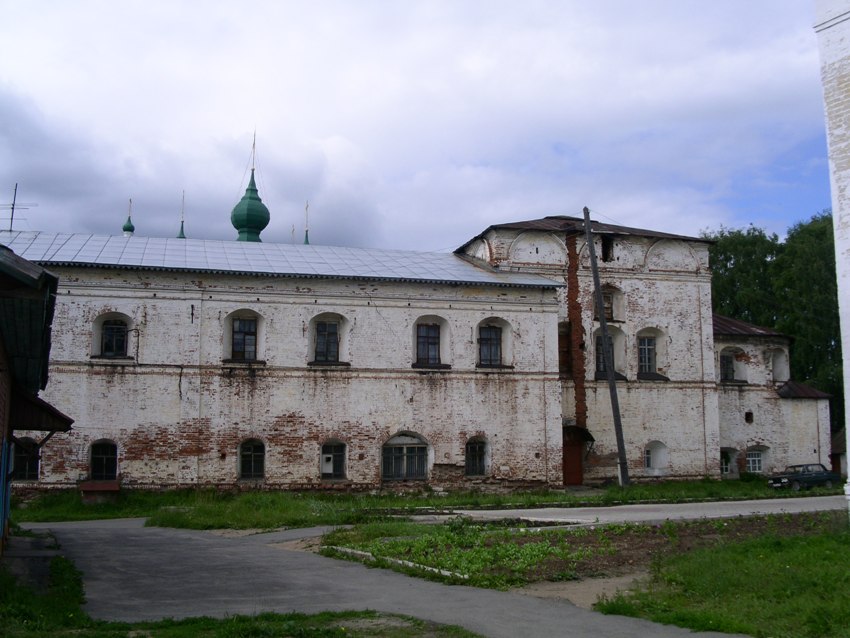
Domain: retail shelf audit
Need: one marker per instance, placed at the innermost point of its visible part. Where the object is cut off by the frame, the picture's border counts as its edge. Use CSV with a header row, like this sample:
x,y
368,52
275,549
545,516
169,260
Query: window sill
x,y
651,376
431,366
732,382
242,363
487,366
329,364
602,376
112,361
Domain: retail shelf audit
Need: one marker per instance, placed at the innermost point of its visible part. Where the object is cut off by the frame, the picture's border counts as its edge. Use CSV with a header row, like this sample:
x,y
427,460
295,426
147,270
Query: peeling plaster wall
x,y
178,410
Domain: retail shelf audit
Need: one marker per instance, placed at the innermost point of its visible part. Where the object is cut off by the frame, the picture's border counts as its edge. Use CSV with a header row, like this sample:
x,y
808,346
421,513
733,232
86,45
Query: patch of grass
x,y
478,555
770,586
57,613
208,509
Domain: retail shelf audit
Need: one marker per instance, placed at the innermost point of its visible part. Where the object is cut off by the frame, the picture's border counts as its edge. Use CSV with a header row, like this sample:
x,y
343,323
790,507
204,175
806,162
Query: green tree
x,y
741,281
804,282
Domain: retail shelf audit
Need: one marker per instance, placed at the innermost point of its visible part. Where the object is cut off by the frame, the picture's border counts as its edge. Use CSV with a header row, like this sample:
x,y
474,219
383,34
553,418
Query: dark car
x,y
799,477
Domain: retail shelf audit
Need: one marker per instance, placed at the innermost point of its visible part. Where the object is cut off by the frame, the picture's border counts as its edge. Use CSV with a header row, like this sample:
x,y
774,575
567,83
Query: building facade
x,y
243,364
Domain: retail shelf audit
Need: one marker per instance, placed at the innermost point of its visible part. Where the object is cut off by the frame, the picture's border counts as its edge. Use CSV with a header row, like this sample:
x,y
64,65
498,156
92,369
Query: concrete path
x,y
132,572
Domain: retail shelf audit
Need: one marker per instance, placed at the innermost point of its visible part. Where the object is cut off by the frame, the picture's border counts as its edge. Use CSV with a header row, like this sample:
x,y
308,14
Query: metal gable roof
x,y
257,258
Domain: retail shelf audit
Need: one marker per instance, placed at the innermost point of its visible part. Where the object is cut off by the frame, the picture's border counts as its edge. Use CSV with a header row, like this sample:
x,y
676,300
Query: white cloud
x,y
411,124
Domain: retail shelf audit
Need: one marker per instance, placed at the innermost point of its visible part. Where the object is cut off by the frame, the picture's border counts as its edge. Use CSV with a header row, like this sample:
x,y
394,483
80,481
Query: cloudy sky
x,y
411,124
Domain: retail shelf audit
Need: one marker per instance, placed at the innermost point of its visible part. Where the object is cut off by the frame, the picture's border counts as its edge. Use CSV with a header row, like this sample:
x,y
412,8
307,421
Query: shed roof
x,y
259,258
797,390
726,326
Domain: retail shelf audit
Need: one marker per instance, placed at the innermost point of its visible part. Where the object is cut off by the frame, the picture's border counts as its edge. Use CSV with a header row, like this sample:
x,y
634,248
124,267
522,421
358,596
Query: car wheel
x,y
796,486
828,485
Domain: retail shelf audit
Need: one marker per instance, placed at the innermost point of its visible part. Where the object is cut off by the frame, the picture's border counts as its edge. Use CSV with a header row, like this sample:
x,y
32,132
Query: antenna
x,y
14,205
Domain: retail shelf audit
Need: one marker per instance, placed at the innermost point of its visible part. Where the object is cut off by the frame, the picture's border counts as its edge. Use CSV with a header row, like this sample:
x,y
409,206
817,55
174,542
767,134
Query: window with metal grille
x,y
647,458
476,451
428,344
727,367
404,462
26,460
754,461
490,346
252,459
333,461
646,355
113,338
104,461
244,341
327,342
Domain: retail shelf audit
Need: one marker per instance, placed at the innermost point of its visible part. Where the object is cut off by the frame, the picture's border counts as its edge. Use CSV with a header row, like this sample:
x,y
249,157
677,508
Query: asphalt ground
x,y
133,573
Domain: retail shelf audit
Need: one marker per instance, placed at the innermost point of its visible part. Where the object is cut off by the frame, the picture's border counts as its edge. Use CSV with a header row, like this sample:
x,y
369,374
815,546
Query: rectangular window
x,y
333,461
252,460
490,346
646,354
565,364
400,462
725,463
428,344
104,462
600,353
327,341
727,367
754,462
244,339
113,338
647,458
475,461
25,466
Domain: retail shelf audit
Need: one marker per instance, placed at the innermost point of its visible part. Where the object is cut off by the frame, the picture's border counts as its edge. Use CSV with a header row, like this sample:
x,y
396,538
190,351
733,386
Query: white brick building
x,y
192,362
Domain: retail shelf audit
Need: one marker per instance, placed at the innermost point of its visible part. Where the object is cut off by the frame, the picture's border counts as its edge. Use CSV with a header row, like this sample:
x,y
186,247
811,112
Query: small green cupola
x,y
128,227
250,216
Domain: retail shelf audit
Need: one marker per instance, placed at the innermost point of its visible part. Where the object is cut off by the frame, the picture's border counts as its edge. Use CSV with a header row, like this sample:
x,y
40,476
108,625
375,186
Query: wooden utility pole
x,y
608,354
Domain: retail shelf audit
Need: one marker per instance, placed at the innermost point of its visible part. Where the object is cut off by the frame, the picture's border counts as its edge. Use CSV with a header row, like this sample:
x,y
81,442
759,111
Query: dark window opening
x,y
607,306
252,457
104,461
113,338
428,344
600,353
244,340
565,362
333,461
327,342
475,458
404,462
727,367
26,461
607,248
490,346
748,417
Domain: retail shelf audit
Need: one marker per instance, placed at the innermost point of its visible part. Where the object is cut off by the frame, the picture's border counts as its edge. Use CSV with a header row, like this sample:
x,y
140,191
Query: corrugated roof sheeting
x,y
256,258
797,390
733,327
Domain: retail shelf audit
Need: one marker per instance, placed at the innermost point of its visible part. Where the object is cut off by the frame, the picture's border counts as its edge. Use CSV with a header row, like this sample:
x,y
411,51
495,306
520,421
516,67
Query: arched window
x,y
476,457
243,336
780,368
494,343
732,364
104,461
328,340
25,464
617,341
252,459
333,460
612,303
111,336
655,457
651,354
404,457
756,459
431,343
